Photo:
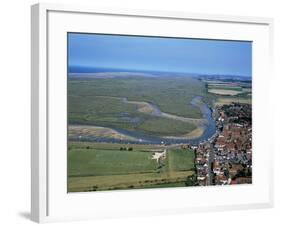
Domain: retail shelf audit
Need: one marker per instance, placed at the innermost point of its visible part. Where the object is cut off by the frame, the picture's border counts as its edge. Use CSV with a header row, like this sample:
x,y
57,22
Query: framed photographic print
x,y
146,112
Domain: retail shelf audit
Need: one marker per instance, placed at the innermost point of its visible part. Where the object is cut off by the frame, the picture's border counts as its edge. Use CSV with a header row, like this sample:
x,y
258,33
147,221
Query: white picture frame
x,y
49,198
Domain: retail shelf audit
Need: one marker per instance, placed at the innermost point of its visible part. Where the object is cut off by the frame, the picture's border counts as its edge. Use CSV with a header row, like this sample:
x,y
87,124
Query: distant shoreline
x,y
114,74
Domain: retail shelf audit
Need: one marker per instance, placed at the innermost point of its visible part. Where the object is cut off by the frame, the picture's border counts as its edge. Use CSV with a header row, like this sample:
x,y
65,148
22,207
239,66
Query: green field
x,y
99,102
224,86
103,166
177,160
220,88
229,100
162,126
98,162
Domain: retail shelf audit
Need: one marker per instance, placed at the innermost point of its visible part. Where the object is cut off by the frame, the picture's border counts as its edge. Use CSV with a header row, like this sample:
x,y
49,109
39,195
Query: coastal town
x,y
226,158
142,119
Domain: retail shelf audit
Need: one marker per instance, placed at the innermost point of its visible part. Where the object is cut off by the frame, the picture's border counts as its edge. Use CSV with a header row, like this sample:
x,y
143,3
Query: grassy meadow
x,y
99,102
104,166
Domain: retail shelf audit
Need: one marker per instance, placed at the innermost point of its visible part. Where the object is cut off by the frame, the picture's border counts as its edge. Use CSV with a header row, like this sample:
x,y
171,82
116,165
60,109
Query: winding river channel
x,y
209,127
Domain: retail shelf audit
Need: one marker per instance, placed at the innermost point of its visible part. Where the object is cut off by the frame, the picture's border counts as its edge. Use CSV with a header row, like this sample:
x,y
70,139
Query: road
x,y
210,160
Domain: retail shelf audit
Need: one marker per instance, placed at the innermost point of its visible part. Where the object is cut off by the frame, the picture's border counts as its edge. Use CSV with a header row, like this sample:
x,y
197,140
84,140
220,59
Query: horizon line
x,y
105,69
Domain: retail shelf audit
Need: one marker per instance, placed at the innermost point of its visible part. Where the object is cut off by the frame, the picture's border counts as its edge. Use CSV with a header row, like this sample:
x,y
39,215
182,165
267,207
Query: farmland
x,y
103,166
229,100
227,92
227,88
224,92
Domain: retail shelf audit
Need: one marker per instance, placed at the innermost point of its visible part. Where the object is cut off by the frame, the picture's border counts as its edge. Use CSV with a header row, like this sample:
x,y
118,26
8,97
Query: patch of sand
x,y
96,131
196,133
142,106
224,92
194,121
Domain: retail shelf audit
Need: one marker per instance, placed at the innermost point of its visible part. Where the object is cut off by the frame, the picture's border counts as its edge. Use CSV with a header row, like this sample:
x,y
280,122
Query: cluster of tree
x,y
243,173
126,149
94,188
185,146
191,180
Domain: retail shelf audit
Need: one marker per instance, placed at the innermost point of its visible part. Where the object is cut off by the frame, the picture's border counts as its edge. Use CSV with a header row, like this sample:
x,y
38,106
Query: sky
x,y
142,53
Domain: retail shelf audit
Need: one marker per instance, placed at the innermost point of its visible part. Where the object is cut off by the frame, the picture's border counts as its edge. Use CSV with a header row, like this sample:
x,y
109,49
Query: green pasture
x,y
163,126
99,166
109,162
179,160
